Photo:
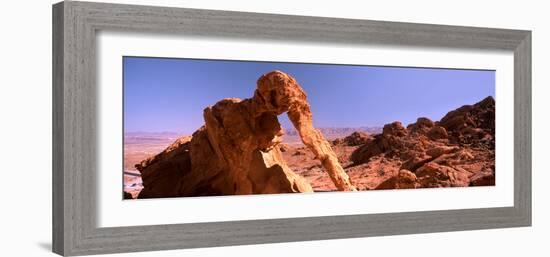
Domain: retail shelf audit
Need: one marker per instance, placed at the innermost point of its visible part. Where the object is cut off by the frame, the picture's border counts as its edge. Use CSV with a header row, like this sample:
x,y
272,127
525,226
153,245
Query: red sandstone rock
x,y
437,132
162,173
238,150
456,151
394,129
389,142
440,150
483,179
416,162
356,138
434,175
278,92
421,126
471,122
404,180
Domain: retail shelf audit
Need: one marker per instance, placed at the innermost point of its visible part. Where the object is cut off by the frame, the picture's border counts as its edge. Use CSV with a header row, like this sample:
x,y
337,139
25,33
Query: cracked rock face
x,y
238,149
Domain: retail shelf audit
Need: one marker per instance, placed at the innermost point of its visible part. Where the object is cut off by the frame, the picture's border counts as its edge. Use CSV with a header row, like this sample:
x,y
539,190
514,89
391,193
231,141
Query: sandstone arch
x,y
236,151
278,92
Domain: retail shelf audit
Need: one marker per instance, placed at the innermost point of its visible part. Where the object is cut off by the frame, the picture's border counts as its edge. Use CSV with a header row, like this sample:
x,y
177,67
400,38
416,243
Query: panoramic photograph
x,y
197,127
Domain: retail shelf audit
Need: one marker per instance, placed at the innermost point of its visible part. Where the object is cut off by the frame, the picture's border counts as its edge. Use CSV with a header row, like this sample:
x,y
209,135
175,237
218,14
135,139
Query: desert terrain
x,y
242,149
457,151
137,147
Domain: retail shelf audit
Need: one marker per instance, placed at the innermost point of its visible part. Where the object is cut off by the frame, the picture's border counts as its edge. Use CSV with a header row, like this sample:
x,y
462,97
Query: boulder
x,y
391,142
483,179
416,162
440,150
394,129
162,174
471,122
459,156
368,150
404,180
421,126
356,138
436,133
434,175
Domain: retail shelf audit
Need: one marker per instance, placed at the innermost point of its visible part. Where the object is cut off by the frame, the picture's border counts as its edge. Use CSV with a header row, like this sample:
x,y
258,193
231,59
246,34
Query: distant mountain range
x,y
327,131
336,132
147,133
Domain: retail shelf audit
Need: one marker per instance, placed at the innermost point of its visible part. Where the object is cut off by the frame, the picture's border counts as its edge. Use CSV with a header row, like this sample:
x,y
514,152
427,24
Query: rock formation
x,y
403,180
356,138
389,142
454,152
237,151
471,123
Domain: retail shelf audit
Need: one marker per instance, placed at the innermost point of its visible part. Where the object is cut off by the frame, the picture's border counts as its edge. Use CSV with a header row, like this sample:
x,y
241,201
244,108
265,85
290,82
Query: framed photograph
x,y
183,128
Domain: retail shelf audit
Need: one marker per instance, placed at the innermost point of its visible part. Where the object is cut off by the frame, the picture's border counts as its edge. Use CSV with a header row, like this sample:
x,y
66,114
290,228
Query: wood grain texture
x,y
74,126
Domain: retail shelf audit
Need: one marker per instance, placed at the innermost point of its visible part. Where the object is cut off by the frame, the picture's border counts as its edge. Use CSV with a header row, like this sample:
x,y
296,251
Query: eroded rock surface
x,y
238,151
457,151
435,155
354,139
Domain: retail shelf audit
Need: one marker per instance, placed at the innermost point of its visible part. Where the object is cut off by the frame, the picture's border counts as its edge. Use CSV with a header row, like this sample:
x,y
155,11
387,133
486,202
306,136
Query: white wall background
x,y
25,128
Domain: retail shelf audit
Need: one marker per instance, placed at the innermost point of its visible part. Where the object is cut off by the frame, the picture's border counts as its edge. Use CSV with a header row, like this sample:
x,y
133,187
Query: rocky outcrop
x,y
437,132
483,179
354,139
390,142
162,174
403,180
471,123
454,152
238,150
434,175
421,126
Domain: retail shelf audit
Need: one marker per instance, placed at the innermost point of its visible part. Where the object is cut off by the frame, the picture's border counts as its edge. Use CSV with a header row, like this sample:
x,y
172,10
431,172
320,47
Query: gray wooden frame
x,y
74,129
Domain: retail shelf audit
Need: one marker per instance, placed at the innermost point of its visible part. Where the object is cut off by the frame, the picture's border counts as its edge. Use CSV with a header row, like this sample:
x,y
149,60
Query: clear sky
x,y
169,95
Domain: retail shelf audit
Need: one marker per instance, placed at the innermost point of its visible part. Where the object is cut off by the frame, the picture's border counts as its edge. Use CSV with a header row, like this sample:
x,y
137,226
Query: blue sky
x,y
162,94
